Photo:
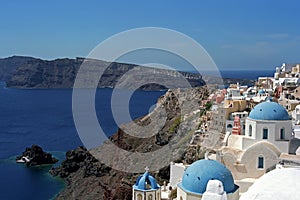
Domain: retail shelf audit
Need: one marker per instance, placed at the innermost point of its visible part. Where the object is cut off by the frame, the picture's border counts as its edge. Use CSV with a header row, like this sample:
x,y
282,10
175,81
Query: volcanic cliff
x,y
27,72
90,177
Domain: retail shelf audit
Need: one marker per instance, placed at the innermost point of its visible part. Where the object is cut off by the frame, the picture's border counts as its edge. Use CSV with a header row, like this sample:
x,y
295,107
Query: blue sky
x,y
256,34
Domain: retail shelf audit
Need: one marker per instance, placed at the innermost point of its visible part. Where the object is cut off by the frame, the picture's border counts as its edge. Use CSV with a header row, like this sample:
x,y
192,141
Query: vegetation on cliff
x,y
89,178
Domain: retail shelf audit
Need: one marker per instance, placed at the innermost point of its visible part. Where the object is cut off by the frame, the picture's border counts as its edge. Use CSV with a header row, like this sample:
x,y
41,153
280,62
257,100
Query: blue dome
x,y
261,91
269,110
196,176
146,182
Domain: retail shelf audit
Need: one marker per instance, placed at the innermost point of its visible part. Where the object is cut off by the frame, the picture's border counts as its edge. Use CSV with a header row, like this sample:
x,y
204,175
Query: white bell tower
x,y
146,188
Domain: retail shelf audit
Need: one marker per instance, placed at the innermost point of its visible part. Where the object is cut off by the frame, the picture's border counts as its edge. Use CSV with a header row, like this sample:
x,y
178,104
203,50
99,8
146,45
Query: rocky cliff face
x,y
61,73
88,175
87,178
9,65
28,72
38,73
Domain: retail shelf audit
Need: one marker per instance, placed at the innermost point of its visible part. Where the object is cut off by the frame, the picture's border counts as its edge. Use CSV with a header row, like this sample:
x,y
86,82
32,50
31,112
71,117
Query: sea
x,y
246,74
44,117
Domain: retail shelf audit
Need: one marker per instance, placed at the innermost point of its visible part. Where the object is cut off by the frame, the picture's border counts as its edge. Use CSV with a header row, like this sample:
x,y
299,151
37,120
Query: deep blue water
x,y
243,74
44,117
246,74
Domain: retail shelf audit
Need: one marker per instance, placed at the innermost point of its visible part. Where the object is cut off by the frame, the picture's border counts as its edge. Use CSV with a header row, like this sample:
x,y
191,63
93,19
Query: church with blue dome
x,y
146,188
267,135
207,178
269,121
269,110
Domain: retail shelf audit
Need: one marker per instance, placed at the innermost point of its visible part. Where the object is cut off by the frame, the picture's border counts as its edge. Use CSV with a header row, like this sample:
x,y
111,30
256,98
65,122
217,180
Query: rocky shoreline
x,y
88,177
35,155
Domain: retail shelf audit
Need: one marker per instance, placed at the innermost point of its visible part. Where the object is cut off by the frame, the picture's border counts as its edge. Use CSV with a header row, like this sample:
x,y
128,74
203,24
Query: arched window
x,y
265,133
150,197
229,126
282,134
250,130
181,198
260,162
139,197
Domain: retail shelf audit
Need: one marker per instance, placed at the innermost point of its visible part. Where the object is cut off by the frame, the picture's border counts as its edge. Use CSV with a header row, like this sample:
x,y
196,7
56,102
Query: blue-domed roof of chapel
x,y
197,175
146,182
269,110
261,91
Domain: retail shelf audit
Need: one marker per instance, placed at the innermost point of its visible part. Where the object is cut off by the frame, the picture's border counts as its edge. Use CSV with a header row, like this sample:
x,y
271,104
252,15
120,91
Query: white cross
x,y
147,169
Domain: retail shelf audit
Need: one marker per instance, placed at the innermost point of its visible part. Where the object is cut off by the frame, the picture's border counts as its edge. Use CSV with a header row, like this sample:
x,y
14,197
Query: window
x,y
229,126
260,164
265,133
150,197
139,197
250,130
282,134
181,198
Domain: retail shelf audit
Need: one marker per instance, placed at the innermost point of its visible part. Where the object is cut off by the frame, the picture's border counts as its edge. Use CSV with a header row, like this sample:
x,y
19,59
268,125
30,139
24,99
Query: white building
x,y
196,183
268,121
176,172
249,93
296,121
265,82
233,94
261,95
287,75
278,184
266,141
296,114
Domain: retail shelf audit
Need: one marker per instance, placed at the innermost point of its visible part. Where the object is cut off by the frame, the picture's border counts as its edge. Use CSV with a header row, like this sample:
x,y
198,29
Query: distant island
x,y
27,72
34,73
